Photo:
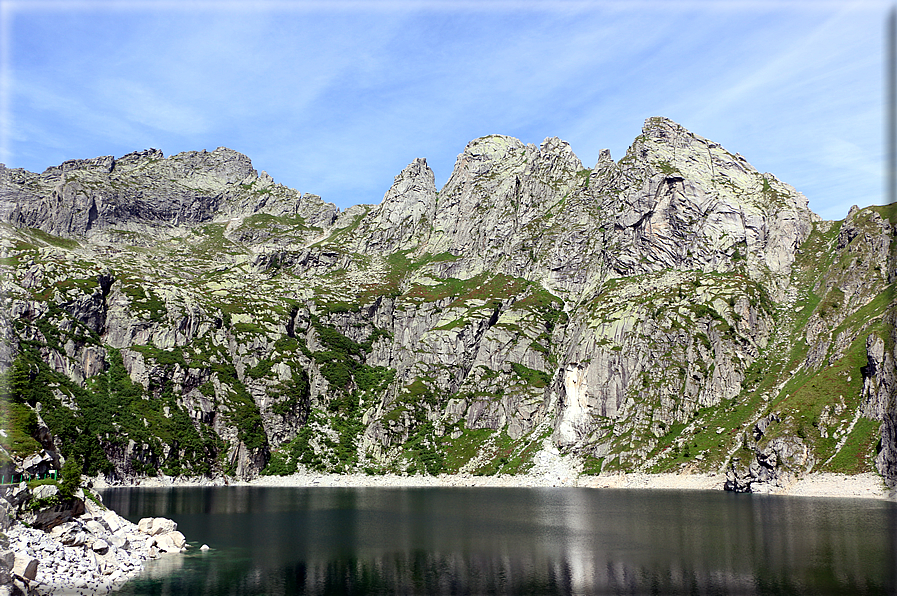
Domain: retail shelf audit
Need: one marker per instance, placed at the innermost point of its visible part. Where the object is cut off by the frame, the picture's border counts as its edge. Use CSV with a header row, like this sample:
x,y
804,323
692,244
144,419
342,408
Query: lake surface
x,y
273,540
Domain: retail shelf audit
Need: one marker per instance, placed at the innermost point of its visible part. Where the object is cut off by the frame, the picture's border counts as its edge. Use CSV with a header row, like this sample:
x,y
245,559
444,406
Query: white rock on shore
x,y
811,485
94,553
560,474
552,469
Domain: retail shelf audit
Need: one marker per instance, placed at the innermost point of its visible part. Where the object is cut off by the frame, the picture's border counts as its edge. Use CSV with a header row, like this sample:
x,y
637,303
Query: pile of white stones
x,y
93,553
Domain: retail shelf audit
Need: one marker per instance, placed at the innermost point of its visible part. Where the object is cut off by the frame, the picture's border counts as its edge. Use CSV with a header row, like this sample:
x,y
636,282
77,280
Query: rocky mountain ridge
x,y
674,310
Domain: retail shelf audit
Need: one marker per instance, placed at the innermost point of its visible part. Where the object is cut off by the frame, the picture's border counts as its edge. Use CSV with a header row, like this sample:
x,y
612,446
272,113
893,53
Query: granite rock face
x,y
141,191
880,398
644,314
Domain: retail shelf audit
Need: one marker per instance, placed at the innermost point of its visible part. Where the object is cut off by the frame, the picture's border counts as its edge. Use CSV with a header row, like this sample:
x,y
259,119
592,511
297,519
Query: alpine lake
x,y
315,540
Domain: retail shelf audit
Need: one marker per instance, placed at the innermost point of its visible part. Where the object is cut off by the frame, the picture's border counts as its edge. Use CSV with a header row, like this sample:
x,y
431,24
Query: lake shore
x,y
864,486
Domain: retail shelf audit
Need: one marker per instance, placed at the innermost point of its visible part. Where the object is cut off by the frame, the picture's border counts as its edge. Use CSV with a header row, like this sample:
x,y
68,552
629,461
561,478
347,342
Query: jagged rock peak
x,y
140,189
663,130
657,126
504,157
417,175
557,157
493,146
103,165
673,149
556,146
137,158
225,164
490,149
412,194
410,200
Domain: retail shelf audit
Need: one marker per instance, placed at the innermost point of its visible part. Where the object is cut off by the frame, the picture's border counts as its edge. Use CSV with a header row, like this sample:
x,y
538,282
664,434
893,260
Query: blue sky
x,y
336,98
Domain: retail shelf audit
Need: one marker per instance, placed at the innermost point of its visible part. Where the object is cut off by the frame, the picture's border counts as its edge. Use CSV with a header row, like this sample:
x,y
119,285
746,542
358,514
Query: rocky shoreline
x,y
553,469
866,485
74,546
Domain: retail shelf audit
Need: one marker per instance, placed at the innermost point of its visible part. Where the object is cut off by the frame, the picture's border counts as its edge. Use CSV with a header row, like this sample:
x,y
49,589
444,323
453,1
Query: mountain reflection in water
x,y
273,540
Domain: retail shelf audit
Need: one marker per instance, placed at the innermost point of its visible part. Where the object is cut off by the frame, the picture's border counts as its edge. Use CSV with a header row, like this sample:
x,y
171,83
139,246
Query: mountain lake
x,y
279,540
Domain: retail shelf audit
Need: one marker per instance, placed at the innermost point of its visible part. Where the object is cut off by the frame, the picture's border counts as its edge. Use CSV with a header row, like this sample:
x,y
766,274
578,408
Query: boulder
x,y
50,517
112,521
6,511
38,464
45,491
18,495
101,547
177,539
25,567
93,509
7,562
154,526
95,527
70,534
170,542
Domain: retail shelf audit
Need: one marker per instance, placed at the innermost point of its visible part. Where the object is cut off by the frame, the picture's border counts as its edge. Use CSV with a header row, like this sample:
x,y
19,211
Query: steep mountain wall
x,y
675,310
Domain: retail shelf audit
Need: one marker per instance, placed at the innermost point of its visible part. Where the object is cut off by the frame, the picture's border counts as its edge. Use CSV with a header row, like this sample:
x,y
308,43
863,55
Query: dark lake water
x,y
267,540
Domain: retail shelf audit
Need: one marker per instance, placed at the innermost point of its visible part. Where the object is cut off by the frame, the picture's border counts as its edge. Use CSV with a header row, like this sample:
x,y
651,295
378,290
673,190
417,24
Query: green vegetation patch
x,y
162,357
667,168
31,381
424,451
276,223
536,378
285,459
458,452
859,450
592,465
20,423
833,301
146,300
412,399
243,412
57,241
341,359
109,412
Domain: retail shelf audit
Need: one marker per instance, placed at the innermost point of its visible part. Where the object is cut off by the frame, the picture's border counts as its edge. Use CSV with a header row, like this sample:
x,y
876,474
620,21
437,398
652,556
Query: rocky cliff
x,y
675,310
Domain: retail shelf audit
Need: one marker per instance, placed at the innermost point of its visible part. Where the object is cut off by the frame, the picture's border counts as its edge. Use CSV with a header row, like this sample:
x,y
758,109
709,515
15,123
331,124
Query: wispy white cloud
x,y
140,103
6,81
336,97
